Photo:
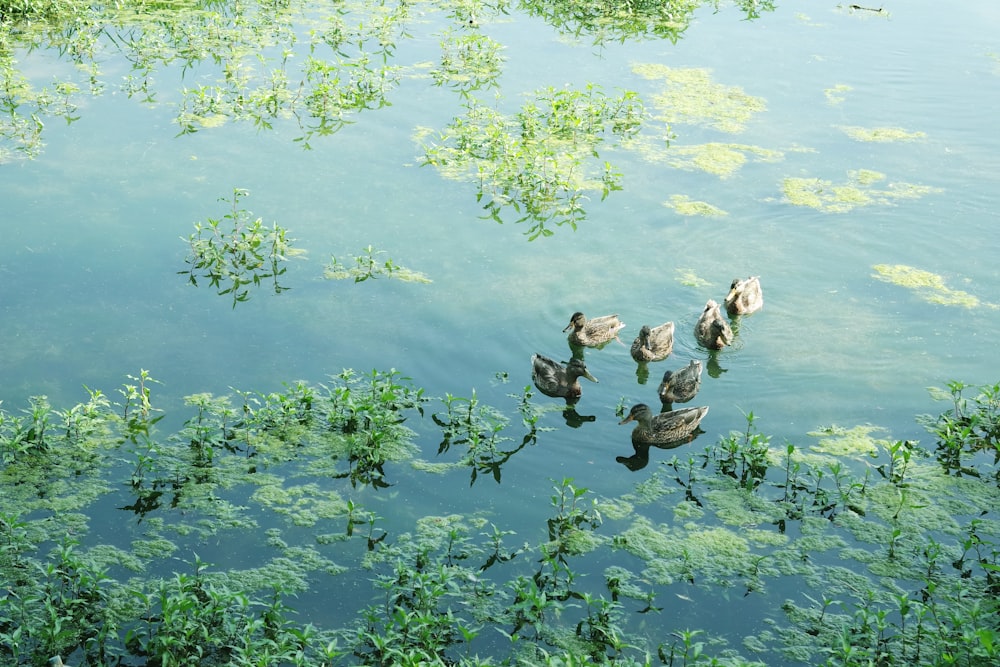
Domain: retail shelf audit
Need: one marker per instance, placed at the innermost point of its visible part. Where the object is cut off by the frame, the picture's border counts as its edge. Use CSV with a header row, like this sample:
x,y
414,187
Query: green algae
x,y
855,441
928,286
684,205
690,96
304,505
152,549
858,190
689,278
836,94
881,134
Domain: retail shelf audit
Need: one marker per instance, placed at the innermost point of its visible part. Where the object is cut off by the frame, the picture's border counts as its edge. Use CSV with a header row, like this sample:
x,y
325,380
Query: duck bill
x,y
589,376
626,420
568,327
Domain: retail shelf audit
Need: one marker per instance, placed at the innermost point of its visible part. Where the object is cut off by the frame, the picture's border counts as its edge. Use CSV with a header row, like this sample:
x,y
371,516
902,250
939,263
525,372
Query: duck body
x,y
593,332
682,385
745,296
653,343
663,428
712,330
557,380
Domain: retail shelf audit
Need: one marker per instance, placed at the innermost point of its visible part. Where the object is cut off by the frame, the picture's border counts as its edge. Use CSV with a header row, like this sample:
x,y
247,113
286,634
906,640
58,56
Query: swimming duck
x,y
663,428
554,379
593,332
712,330
653,344
680,386
745,296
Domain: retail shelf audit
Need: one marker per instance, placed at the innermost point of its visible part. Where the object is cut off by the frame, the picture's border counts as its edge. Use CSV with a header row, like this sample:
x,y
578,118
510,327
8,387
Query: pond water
x,y
886,121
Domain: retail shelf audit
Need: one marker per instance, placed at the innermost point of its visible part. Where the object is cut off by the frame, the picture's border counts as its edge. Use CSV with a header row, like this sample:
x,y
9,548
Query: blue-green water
x,y
93,229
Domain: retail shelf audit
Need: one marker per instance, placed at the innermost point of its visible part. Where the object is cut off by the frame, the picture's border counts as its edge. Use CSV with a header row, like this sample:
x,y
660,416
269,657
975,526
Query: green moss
x,y
690,96
928,286
881,134
684,205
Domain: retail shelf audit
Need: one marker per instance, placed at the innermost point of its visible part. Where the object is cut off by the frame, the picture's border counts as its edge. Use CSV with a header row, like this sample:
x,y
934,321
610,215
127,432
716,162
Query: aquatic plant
x,y
887,552
366,266
540,161
237,252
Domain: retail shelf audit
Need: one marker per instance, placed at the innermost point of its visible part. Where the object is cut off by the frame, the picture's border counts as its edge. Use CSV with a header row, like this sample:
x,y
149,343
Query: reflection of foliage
x,y
928,286
611,21
537,160
236,251
825,196
469,61
366,266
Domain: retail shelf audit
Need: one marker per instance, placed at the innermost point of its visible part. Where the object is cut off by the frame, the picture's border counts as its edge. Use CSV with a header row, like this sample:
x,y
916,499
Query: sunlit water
x,y
93,228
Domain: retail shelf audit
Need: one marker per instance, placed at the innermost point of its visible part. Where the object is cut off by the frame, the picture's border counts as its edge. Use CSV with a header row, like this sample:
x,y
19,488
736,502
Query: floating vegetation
x,y
691,97
469,61
237,252
684,205
903,536
928,286
881,134
542,161
837,94
719,159
828,197
603,21
366,266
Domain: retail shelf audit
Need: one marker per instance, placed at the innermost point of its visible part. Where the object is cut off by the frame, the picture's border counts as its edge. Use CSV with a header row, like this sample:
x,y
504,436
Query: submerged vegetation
x,y
891,545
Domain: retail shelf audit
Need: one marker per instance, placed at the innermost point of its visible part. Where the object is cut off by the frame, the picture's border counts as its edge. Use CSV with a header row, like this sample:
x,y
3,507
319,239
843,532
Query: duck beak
x,y
568,327
589,376
626,420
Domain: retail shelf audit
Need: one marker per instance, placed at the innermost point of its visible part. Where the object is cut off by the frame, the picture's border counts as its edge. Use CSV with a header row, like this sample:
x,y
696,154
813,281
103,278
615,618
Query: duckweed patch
x,y
928,286
828,197
684,205
690,96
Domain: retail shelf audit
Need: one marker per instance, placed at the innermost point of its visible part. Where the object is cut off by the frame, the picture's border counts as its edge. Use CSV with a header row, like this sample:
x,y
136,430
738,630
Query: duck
x,y
712,330
665,427
556,380
593,332
680,386
653,344
745,296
